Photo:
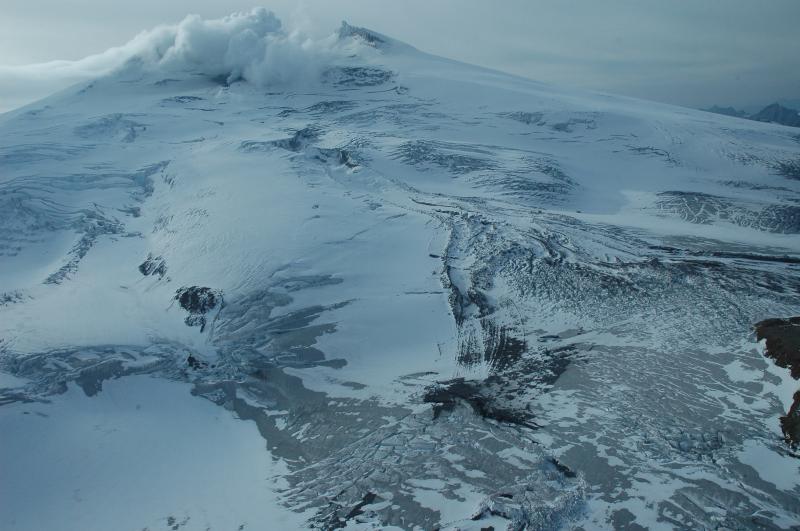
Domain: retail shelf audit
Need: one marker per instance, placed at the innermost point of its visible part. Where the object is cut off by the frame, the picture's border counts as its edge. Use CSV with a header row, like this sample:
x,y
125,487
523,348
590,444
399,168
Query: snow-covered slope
x,y
445,296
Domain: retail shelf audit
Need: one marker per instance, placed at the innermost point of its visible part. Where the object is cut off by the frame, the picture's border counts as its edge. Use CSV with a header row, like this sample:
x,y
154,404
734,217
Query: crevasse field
x,y
254,282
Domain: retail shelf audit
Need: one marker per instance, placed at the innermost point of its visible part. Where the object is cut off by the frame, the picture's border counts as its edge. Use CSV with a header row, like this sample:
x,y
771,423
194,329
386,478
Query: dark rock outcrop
x,y
153,265
198,301
790,424
446,395
783,342
783,346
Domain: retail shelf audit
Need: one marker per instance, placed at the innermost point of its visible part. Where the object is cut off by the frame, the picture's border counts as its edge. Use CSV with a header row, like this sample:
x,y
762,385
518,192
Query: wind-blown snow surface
x,y
444,296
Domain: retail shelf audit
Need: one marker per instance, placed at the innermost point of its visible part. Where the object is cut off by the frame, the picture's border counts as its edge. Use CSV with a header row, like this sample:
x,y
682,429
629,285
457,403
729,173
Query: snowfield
x,y
251,281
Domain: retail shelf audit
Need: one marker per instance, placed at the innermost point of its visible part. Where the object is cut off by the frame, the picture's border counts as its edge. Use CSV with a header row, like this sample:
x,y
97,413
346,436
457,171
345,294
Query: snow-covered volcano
x,y
251,281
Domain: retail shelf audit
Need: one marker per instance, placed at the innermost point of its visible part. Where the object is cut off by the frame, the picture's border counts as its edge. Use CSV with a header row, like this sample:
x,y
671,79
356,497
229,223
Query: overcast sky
x,y
695,53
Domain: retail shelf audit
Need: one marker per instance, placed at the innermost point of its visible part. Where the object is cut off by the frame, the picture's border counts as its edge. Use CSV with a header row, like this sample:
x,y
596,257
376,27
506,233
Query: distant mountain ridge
x,y
773,113
727,111
778,114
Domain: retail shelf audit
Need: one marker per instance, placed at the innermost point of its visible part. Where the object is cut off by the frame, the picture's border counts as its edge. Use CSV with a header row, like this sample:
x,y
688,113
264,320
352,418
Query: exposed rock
x,y
198,301
783,342
195,363
790,424
153,265
447,395
783,346
369,37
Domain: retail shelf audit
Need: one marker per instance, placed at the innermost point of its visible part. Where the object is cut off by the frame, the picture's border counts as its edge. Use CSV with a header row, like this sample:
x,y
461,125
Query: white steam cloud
x,y
252,46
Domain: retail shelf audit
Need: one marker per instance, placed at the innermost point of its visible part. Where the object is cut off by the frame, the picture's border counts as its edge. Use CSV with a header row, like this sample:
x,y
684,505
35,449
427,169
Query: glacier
x,y
250,280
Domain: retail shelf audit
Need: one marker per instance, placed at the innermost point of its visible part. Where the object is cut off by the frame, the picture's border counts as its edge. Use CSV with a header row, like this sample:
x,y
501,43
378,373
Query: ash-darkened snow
x,y
250,282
